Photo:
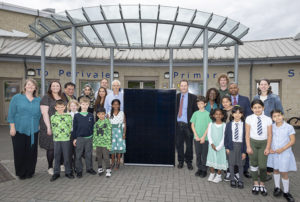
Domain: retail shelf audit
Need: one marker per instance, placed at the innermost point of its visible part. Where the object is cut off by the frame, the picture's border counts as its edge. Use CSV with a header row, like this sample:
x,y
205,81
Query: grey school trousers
x,y
62,147
84,145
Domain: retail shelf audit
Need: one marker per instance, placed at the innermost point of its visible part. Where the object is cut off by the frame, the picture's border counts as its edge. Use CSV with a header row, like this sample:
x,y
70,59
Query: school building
x,y
20,57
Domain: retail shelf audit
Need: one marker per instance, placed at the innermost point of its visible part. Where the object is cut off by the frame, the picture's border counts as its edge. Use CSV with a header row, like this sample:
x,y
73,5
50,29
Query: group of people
x,y
67,128
229,132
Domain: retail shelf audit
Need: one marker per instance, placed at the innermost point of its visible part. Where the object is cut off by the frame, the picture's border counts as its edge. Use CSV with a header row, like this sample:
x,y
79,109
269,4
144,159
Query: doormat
x,y
4,174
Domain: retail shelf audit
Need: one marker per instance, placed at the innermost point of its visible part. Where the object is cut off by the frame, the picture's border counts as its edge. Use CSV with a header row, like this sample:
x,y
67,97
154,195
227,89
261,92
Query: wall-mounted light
x,y
166,75
116,74
30,72
230,74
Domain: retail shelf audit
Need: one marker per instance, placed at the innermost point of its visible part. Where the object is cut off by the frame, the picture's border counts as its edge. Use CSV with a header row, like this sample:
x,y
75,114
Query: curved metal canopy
x,y
139,27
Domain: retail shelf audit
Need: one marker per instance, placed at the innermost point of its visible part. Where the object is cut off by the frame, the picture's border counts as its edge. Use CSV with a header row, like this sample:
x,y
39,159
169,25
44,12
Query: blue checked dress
x,y
118,143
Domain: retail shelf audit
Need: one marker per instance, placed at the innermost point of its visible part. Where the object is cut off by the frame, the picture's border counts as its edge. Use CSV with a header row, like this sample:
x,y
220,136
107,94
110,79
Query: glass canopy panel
x,y
63,35
111,12
133,31
163,32
229,25
228,41
200,41
89,32
185,15
216,39
130,12
216,21
40,29
51,39
210,33
177,34
62,19
167,13
191,36
80,38
149,12
240,30
94,13
49,23
201,18
77,16
119,33
148,33
104,34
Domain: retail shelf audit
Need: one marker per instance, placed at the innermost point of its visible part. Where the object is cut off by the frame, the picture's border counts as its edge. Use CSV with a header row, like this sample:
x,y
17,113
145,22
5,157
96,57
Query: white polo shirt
x,y
252,121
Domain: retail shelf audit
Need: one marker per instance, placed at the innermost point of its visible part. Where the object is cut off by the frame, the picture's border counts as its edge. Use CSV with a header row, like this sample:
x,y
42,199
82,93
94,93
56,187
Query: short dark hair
x,y
226,97
234,110
100,109
201,98
184,80
60,102
276,111
70,84
257,101
213,111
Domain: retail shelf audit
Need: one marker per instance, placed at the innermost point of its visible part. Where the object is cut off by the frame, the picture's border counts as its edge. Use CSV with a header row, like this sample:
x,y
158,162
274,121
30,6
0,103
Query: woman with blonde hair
x,y
23,117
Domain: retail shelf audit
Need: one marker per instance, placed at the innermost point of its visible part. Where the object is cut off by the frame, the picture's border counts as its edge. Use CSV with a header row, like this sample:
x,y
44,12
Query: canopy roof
x,y
139,27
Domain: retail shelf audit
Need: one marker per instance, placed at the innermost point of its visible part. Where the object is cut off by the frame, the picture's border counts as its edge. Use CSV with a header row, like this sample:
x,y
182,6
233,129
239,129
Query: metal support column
x,y
111,66
171,68
236,63
205,60
73,56
43,58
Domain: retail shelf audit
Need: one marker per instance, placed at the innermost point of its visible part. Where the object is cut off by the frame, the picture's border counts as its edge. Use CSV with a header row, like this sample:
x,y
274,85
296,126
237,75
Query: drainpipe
x,y
250,84
25,68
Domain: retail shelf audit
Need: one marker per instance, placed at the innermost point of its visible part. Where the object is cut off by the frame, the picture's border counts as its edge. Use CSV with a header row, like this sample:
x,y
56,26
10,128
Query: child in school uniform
x,y
61,125
102,141
235,144
258,140
83,124
281,157
216,157
200,121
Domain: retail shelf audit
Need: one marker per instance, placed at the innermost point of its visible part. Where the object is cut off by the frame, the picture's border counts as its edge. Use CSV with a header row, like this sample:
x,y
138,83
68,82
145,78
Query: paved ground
x,y
130,183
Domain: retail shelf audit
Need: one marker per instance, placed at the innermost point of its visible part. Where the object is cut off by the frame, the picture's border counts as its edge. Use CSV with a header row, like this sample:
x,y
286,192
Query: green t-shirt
x,y
201,121
61,126
102,134
224,92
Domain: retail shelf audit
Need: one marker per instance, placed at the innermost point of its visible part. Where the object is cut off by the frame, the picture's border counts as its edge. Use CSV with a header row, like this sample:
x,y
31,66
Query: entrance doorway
x,y
8,88
141,82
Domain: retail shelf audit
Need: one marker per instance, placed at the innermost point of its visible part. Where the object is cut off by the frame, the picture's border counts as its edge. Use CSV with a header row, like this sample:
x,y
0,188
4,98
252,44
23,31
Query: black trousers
x,y
25,154
184,135
201,155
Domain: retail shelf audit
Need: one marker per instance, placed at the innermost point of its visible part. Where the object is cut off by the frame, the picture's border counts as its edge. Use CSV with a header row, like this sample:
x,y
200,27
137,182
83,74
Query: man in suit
x,y
244,102
186,106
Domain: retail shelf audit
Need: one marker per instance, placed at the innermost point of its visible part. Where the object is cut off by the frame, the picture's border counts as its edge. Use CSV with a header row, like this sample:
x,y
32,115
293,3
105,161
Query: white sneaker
x,y
62,168
108,172
50,171
211,177
100,171
218,179
227,178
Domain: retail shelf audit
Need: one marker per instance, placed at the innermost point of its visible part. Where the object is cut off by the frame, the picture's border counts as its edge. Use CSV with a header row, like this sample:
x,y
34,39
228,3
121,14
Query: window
x,y
276,87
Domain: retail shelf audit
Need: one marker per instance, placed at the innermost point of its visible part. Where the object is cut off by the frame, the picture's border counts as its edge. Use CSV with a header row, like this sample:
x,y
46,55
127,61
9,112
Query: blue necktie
x,y
236,132
259,126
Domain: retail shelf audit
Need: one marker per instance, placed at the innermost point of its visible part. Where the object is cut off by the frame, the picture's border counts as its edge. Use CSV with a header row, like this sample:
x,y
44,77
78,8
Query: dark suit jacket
x,y
244,102
191,108
228,137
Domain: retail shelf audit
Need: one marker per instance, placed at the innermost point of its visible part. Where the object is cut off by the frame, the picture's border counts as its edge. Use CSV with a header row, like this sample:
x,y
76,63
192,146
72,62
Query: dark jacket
x,y
191,107
228,137
272,102
83,125
244,102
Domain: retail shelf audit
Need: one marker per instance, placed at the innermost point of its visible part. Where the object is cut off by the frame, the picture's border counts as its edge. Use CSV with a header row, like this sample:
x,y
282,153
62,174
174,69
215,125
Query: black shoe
x,y
255,190
204,173
70,176
288,197
263,190
198,173
233,183
277,192
79,174
190,166
247,174
91,171
22,177
268,178
227,177
240,185
54,177
180,165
